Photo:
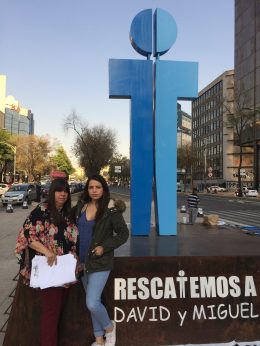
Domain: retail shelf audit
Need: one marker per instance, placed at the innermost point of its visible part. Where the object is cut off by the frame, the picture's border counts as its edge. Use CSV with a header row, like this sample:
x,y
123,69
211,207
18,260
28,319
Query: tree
x,y
94,147
61,161
6,153
124,163
32,156
185,158
239,117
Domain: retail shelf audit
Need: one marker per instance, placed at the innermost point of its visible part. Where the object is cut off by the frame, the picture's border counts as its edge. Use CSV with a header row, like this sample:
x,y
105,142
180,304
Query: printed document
x,y
44,276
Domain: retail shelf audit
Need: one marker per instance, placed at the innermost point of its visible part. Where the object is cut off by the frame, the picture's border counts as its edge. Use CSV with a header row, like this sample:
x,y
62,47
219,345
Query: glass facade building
x,y
211,139
247,49
18,124
247,67
207,125
183,127
2,120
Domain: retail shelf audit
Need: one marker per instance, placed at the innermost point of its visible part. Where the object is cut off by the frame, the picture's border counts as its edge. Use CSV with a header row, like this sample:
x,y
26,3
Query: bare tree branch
x,y
239,117
93,146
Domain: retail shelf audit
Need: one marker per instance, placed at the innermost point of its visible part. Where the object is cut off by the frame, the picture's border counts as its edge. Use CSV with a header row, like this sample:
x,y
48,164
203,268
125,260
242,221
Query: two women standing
x,y
51,230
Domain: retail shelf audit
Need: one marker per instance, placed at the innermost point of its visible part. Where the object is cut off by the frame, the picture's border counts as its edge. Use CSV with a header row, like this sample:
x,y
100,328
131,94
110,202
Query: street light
x,y
13,147
205,152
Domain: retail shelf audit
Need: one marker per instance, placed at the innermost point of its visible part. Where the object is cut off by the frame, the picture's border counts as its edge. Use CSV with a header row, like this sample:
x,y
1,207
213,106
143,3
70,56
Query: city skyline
x,y
56,55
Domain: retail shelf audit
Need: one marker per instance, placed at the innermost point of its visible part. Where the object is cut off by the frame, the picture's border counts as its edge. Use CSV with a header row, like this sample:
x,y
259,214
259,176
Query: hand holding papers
x,y
44,276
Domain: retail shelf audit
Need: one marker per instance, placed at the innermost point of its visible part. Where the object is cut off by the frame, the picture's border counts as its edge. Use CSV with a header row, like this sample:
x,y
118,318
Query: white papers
x,y
44,276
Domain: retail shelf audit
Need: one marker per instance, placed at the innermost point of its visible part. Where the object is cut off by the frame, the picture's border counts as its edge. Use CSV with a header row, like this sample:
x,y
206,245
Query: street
x,y
10,224
240,211
229,208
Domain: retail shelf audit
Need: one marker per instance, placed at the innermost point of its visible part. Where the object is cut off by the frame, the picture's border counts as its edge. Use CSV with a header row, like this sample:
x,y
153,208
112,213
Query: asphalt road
x,y
9,226
230,208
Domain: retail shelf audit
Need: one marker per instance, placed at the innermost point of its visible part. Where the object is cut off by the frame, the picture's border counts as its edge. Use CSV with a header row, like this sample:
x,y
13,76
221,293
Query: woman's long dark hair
x,y
59,184
103,201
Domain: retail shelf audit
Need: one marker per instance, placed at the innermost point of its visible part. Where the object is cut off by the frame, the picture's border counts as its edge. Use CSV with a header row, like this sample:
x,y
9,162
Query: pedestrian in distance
x,y
49,231
192,204
101,230
38,191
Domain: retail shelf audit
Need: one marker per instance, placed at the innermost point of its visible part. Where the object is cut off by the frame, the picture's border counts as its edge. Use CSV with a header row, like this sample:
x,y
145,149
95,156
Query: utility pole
x,y
205,160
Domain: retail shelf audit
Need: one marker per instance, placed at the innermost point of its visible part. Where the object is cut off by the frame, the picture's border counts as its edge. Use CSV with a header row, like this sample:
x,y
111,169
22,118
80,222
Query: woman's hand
x,y
49,253
51,258
98,251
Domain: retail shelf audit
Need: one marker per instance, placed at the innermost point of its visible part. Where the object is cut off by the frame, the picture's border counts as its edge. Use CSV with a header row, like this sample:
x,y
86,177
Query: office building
x,y
184,143
216,157
15,119
183,127
247,71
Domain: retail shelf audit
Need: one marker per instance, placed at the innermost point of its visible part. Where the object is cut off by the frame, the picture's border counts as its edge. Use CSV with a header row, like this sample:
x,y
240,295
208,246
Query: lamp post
x,y
205,142
13,147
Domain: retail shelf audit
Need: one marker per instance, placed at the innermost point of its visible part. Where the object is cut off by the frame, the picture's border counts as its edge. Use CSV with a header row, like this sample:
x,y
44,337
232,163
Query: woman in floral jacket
x,y
48,231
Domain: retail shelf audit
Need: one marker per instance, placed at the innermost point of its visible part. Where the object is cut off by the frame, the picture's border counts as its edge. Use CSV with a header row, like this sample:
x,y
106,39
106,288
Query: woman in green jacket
x,y
101,230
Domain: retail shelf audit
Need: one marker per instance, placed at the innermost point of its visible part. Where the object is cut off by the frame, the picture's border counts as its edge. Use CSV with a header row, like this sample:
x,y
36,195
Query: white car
x,y
217,188
18,193
251,192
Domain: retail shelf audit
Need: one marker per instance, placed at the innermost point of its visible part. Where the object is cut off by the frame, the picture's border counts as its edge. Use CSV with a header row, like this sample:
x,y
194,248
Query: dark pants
x,y
193,212
53,299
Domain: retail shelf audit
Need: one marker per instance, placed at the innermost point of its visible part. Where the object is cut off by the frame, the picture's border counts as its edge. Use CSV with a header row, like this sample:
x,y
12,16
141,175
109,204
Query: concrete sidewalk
x,y
192,240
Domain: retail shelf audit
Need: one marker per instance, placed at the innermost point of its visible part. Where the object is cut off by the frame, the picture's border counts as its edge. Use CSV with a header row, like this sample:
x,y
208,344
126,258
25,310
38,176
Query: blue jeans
x,y
94,284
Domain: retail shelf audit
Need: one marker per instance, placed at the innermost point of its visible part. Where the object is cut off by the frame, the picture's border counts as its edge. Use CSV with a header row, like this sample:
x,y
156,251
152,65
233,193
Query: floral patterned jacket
x,y
38,226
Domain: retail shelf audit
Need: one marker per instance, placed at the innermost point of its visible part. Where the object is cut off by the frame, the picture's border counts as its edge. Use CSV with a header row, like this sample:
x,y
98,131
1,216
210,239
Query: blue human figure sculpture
x,y
173,80
133,79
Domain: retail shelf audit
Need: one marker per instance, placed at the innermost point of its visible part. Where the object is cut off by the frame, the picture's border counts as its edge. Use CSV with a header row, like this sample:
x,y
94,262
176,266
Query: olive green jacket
x,y
110,232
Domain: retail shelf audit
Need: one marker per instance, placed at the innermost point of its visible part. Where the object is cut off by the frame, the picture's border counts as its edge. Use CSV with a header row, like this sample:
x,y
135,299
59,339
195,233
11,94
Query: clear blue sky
x,y
55,54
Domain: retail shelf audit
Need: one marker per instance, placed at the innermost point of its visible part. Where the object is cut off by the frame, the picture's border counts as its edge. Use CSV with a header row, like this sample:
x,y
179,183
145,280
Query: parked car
x,y
45,187
247,191
216,188
251,192
3,188
18,193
